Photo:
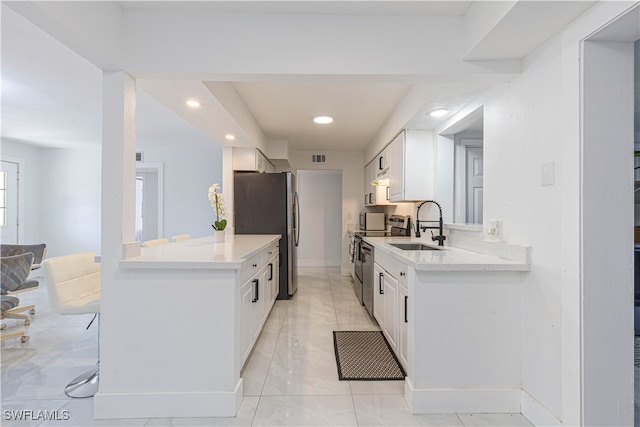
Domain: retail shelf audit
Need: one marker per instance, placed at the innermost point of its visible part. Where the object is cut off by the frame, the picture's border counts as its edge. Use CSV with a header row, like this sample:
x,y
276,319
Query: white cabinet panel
x,y
378,294
403,325
247,315
257,295
390,287
251,159
411,166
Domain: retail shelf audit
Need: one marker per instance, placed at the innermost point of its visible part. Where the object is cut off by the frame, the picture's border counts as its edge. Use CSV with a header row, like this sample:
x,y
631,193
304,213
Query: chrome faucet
x,y
440,238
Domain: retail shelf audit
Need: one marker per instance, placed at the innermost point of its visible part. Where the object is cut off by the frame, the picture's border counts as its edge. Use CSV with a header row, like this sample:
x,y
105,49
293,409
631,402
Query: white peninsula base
x,y
201,306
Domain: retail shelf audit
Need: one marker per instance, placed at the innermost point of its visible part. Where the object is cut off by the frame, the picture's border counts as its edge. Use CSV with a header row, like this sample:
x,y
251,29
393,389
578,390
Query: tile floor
x,y
290,379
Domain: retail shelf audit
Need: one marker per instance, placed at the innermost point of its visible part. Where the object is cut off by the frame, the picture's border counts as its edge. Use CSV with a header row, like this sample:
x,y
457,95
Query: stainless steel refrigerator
x,y
267,203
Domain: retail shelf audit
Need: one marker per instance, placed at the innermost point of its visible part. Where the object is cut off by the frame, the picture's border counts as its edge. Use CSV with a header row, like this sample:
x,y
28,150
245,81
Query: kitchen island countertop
x,y
202,253
450,258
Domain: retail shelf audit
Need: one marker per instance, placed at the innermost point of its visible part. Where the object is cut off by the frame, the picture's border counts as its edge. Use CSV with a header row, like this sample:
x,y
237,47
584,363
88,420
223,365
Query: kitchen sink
x,y
414,247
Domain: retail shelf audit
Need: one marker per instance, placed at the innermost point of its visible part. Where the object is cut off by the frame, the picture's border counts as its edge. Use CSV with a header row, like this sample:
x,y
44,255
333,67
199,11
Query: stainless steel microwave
x,y
373,221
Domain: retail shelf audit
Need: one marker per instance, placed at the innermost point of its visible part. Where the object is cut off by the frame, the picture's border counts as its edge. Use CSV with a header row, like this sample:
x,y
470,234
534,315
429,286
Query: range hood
x,y
382,179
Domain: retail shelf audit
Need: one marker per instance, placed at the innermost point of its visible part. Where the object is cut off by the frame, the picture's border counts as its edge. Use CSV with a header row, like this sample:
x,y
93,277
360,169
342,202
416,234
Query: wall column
x,y
607,233
118,166
118,210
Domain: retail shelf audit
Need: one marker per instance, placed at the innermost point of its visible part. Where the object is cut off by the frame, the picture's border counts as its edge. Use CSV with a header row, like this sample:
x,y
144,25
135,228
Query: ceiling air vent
x,y
318,158
139,157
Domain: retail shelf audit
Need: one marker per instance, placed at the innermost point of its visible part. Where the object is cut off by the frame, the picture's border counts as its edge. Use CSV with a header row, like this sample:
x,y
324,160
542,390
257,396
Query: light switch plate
x,y
547,174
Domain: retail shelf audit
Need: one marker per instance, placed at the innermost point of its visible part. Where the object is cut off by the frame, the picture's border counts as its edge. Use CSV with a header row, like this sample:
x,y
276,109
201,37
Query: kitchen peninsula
x,y
453,318
202,306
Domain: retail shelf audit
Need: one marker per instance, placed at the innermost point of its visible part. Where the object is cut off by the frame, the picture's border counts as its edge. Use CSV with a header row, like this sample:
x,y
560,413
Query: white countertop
x,y
202,253
447,258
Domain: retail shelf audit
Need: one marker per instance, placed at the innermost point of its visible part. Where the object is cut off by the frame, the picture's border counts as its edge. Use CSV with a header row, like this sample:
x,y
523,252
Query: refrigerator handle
x,y
296,218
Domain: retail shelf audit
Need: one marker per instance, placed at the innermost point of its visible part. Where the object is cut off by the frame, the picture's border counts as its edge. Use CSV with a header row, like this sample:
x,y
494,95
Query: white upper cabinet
x,y
374,195
382,162
411,166
251,159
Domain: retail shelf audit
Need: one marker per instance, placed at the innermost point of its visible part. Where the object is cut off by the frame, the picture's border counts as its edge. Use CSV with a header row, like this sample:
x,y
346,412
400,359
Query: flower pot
x,y
218,236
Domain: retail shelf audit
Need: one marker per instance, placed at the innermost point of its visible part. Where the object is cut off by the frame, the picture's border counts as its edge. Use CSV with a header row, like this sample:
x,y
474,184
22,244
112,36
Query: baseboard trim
x,y
445,401
318,263
167,405
535,412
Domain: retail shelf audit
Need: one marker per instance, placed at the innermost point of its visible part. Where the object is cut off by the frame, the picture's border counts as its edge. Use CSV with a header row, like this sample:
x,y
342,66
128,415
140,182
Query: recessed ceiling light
x,y
193,103
230,137
323,120
438,113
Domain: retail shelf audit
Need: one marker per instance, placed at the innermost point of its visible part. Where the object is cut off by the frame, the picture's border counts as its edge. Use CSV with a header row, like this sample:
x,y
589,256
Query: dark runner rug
x,y
365,356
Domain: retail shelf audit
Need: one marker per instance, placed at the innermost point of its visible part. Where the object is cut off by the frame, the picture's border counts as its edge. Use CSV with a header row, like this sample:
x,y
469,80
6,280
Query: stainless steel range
x,y
400,225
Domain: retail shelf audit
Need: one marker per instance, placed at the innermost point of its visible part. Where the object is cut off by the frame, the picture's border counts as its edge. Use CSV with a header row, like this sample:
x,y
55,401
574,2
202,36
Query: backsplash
x,y
473,240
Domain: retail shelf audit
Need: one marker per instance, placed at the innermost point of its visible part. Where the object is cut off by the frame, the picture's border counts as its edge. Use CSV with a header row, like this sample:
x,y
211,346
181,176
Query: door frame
x,y
21,193
606,204
157,168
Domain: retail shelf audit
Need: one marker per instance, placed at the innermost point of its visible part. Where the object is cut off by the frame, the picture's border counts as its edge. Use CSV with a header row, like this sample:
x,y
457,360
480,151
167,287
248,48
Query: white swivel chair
x,y
154,242
73,282
181,237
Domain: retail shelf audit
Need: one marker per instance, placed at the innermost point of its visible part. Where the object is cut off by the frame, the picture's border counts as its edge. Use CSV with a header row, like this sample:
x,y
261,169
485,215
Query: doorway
x,y
10,201
149,201
320,198
606,204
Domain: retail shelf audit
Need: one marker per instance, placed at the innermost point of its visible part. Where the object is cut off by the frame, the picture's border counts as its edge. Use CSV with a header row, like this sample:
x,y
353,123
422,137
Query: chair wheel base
x,y
86,385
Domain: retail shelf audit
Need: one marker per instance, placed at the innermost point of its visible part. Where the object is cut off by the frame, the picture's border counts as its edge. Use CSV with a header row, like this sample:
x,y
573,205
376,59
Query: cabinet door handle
x,y
388,193
402,274
380,277
380,163
270,271
405,309
255,290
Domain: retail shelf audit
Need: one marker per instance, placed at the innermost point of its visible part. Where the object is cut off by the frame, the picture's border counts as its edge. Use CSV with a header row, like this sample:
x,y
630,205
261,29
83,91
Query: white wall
x,y
320,195
187,177
532,121
62,193
70,200
30,180
608,199
352,167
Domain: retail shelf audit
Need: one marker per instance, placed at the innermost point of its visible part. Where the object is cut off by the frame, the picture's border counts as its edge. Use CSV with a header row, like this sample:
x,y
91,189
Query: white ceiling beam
x,y
512,30
91,29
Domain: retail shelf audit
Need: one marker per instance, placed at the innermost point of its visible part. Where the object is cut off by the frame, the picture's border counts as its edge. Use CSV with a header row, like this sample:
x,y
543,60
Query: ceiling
x,y
52,97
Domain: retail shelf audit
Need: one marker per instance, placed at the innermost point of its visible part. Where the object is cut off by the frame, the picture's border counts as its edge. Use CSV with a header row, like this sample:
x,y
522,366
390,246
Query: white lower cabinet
x,y
391,303
385,305
257,295
274,278
390,287
403,325
378,294
247,292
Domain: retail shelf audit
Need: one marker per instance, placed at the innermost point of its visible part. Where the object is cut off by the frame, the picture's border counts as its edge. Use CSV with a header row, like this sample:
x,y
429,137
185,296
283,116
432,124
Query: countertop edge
x,y
233,263
191,265
493,262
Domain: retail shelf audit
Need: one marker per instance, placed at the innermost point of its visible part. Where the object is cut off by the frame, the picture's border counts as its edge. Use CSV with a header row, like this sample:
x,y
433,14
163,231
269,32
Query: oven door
x,y
357,282
358,257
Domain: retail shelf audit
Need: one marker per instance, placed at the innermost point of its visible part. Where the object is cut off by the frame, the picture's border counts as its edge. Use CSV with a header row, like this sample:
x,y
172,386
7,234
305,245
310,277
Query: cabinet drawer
x,y
252,265
394,267
271,251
